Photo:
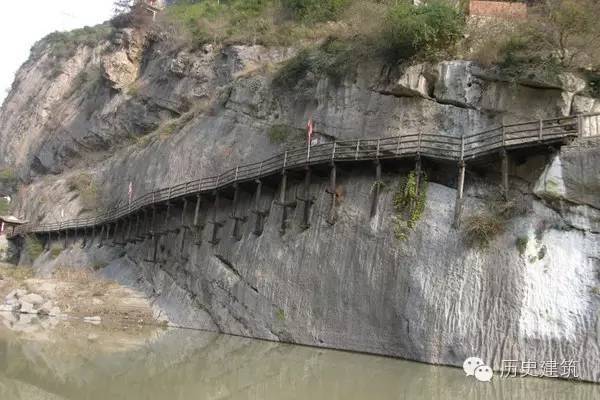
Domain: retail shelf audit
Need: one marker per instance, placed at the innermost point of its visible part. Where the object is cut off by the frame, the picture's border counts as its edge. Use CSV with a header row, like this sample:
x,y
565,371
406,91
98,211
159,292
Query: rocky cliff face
x,y
158,116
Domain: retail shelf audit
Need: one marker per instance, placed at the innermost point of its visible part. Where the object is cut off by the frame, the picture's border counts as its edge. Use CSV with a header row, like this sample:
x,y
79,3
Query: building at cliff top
x,y
497,9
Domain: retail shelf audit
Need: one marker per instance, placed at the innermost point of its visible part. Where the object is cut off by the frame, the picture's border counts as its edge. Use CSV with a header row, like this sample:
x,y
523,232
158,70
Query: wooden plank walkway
x,y
433,146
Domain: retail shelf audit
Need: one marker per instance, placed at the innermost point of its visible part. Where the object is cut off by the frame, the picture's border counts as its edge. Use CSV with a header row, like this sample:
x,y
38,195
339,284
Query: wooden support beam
x,y
127,239
216,223
144,226
197,210
332,190
260,214
165,225
376,188
197,225
152,223
505,187
458,206
84,241
306,199
183,231
418,174
283,202
100,242
237,219
66,239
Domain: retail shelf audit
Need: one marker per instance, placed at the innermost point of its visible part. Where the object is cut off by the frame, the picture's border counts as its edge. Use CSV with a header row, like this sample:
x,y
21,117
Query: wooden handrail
x,y
438,146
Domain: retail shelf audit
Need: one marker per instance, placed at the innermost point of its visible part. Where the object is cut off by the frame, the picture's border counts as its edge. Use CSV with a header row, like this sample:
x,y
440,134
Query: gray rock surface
x,y
431,298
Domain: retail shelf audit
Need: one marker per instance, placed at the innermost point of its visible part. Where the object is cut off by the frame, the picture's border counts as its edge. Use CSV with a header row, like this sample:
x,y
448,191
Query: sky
x,y
24,22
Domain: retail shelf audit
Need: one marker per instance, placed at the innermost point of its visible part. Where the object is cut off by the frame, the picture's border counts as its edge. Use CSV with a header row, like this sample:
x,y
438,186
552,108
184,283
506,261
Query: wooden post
x,y
459,194
197,227
84,241
183,229
129,227
418,173
376,188
237,220
307,199
282,199
197,210
137,227
333,192
260,214
165,229
505,186
215,223
100,242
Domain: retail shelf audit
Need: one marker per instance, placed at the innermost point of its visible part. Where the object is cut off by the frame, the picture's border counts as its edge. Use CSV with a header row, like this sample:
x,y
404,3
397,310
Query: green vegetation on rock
x,y
84,185
409,203
315,10
33,247
4,207
425,30
8,178
64,44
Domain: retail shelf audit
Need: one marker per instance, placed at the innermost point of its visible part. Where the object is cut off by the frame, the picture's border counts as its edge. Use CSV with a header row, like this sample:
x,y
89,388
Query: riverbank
x,y
70,293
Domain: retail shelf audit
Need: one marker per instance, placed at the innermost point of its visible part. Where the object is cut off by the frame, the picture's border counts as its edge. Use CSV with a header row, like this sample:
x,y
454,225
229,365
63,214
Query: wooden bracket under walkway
x,y
458,206
307,199
505,163
376,188
197,225
259,224
217,225
332,191
237,219
283,202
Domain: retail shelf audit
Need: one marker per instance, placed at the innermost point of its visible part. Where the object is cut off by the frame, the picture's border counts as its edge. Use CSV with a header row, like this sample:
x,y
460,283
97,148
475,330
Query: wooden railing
x,y
435,146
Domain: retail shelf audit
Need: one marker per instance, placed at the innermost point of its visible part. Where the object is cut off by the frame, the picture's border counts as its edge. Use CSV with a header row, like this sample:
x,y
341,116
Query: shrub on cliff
x,y
427,30
85,186
315,10
333,59
8,179
4,207
33,247
63,45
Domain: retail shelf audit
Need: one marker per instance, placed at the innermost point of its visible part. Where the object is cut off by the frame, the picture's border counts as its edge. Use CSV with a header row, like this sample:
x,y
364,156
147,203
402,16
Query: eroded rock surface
x,y
531,295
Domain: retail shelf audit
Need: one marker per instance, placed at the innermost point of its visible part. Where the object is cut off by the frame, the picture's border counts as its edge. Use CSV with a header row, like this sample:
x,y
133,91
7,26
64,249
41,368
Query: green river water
x,y
77,361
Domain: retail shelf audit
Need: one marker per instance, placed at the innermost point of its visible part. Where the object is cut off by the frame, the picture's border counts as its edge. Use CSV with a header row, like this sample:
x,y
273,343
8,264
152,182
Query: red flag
x,y
130,192
310,127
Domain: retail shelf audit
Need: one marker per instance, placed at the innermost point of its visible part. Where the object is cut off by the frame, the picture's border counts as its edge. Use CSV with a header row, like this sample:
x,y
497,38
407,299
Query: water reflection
x,y
178,365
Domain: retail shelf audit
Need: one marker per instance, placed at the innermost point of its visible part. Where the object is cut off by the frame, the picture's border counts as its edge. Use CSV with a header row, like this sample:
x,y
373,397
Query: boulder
x,y
416,81
582,104
33,298
16,294
27,308
457,84
46,308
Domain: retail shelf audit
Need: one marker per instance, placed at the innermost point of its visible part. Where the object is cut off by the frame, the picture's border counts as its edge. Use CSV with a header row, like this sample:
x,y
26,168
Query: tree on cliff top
x,y
130,13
